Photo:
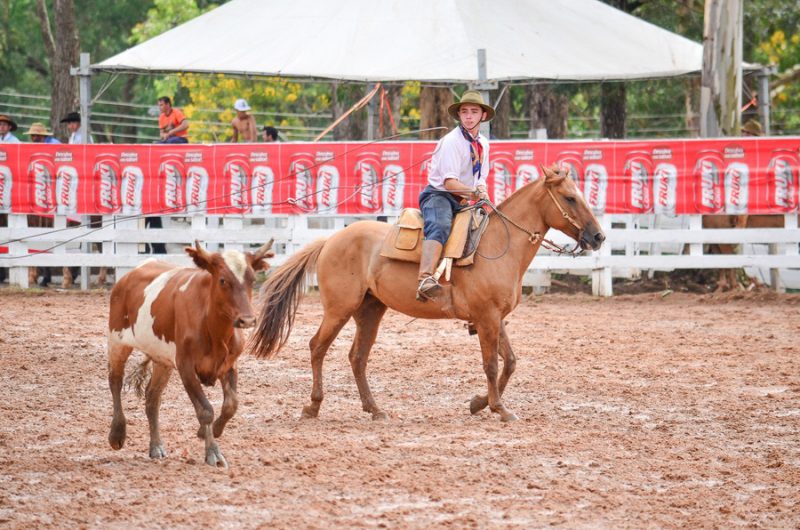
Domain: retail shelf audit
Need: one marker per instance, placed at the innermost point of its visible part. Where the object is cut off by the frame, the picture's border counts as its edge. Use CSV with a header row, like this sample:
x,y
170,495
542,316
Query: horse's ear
x,y
553,175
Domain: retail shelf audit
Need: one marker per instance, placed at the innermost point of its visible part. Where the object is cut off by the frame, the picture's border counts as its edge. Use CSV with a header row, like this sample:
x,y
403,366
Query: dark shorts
x,y
174,140
438,208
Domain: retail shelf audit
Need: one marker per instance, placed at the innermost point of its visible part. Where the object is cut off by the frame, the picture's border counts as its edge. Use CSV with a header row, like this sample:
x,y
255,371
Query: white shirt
x,y
76,138
9,138
452,160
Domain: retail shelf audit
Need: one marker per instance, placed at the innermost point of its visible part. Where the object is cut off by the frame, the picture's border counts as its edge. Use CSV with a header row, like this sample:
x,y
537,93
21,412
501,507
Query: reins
x,y
535,237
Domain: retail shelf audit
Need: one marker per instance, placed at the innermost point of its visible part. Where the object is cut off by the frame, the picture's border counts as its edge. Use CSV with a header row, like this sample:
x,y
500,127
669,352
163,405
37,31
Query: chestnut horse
x,y
355,281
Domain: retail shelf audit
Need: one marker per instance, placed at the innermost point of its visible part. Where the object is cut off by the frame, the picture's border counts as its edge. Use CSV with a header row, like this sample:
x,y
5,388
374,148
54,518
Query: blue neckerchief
x,y
475,151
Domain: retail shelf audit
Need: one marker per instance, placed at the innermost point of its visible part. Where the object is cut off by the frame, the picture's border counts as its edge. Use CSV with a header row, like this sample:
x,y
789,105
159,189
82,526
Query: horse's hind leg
x,y
155,387
479,403
319,344
117,357
368,319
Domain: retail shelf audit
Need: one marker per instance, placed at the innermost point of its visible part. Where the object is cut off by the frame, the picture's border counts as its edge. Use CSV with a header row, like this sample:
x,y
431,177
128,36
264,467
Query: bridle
x,y
536,237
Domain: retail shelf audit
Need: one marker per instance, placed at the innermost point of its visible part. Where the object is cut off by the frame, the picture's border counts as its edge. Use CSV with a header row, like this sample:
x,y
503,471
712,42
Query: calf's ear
x,y
199,255
258,259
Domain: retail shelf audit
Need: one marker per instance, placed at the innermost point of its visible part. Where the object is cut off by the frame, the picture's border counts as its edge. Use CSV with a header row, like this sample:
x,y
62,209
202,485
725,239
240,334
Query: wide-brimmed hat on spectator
x,y
72,117
472,97
241,105
9,121
38,129
751,128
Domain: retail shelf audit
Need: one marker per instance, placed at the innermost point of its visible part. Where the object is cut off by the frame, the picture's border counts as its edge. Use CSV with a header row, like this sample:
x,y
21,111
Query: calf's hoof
x,y
214,458
157,451
380,416
116,437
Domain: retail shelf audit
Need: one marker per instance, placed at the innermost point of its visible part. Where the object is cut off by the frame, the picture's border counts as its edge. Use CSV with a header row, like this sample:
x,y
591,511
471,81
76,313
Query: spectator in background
x,y
40,135
73,121
751,128
172,122
244,124
270,133
7,126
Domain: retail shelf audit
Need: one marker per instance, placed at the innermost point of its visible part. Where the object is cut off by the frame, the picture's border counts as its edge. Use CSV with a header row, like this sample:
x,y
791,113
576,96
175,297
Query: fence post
x,y
602,284
126,249
18,275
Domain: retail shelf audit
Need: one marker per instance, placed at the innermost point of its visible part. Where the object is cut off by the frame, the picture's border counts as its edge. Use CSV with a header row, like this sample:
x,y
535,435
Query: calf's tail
x,y
280,296
138,378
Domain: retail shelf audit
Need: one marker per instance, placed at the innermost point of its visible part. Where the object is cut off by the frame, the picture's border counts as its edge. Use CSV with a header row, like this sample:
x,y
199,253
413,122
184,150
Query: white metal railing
x,y
634,244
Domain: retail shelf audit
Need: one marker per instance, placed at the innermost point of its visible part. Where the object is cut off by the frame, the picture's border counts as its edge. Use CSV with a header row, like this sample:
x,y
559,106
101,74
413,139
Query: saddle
x,y
404,240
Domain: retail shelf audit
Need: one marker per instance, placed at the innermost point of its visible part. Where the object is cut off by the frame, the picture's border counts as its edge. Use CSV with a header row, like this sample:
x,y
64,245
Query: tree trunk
x,y
433,103
548,110
721,84
353,127
501,124
612,110
62,50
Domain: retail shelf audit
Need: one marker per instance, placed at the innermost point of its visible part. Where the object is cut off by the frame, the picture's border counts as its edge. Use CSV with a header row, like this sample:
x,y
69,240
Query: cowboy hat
x,y
38,129
72,117
241,105
9,121
752,128
473,97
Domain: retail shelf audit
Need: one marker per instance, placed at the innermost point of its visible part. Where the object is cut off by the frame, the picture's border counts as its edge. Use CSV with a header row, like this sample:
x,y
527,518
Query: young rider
x,y
458,171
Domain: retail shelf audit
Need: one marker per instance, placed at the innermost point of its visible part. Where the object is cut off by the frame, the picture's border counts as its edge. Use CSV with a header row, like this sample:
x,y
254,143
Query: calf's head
x,y
232,277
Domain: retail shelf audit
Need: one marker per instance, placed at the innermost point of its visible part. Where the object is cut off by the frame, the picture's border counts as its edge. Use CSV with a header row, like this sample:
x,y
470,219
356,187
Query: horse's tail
x,y
138,377
280,295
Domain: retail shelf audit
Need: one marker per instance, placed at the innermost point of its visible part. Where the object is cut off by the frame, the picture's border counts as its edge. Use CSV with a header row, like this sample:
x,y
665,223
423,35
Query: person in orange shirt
x,y
173,124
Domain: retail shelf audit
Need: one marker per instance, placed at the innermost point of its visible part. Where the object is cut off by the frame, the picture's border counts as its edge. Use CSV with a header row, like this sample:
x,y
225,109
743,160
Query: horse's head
x,y
568,211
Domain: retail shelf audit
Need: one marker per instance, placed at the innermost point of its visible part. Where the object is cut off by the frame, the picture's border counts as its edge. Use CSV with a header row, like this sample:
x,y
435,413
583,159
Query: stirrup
x,y
428,288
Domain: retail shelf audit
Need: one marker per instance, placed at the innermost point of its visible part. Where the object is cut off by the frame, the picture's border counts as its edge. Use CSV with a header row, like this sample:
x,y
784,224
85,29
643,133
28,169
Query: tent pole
x,y
483,86
84,74
764,103
371,114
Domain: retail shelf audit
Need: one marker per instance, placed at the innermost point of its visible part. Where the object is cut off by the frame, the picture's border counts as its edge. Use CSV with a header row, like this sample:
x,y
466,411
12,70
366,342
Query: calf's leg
x,y
230,402
203,409
117,357
158,381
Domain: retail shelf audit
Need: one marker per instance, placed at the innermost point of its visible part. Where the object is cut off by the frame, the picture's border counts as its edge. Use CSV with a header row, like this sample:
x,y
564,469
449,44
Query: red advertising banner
x,y
670,177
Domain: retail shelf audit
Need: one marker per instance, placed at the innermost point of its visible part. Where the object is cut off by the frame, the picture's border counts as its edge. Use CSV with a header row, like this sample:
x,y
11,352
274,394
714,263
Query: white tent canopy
x,y
427,40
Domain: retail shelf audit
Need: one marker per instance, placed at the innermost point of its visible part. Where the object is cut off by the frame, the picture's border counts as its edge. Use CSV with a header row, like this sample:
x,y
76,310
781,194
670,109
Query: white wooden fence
x,y
634,244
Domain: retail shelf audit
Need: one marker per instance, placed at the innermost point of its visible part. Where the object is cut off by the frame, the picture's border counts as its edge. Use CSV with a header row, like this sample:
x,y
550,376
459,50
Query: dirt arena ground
x,y
641,411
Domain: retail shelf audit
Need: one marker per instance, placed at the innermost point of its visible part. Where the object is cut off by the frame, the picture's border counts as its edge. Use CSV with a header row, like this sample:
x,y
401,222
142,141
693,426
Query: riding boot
x,y
428,286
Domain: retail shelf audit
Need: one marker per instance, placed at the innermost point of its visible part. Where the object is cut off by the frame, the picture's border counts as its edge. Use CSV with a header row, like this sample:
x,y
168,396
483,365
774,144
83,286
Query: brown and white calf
x,y
189,319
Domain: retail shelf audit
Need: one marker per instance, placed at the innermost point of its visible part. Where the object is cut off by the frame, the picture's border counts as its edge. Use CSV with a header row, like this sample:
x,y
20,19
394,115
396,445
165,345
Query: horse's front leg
x,y
489,334
204,411
230,401
478,403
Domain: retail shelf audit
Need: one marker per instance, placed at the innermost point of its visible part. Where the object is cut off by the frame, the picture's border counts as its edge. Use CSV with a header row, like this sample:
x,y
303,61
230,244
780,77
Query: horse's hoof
x,y
157,451
380,416
508,416
309,413
478,403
